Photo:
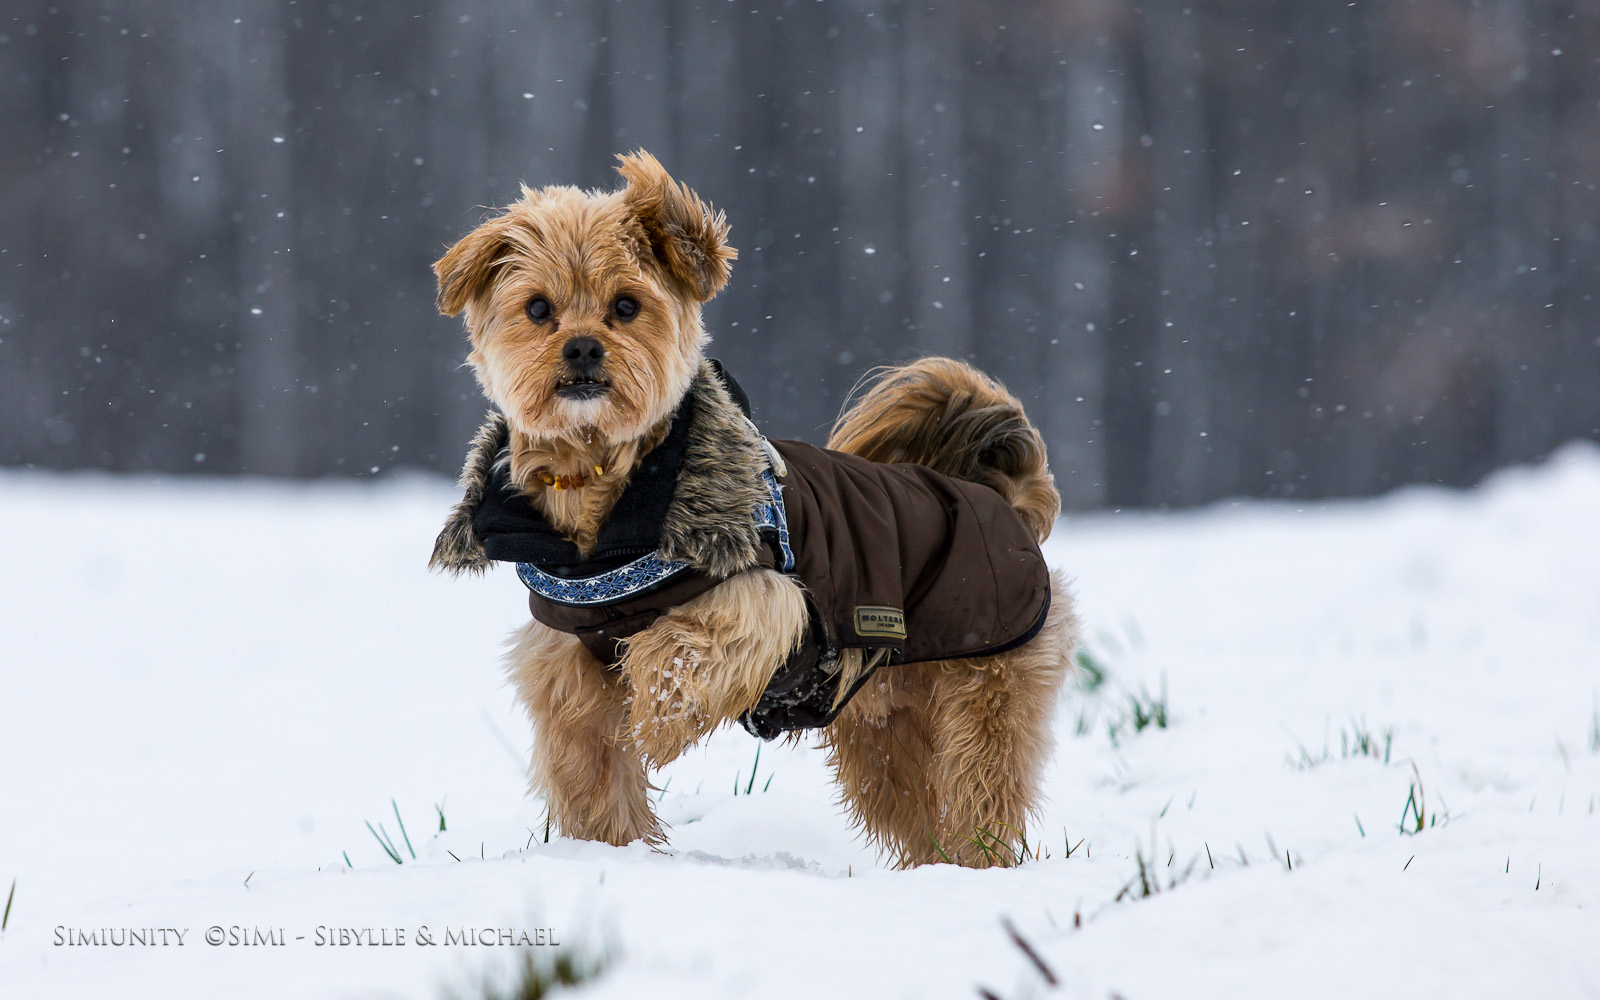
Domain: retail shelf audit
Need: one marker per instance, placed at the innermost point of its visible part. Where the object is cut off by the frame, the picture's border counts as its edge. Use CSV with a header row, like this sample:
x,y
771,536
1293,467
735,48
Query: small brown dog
x,y
685,572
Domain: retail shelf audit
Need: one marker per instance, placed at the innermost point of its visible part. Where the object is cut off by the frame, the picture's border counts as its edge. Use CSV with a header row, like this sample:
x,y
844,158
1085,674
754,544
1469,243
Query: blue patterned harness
x,y
648,571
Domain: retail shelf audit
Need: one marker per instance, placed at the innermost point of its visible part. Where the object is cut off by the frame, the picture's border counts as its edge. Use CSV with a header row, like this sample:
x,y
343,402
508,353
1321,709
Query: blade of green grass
x,y
752,786
1022,838
1411,797
383,843
403,833
988,852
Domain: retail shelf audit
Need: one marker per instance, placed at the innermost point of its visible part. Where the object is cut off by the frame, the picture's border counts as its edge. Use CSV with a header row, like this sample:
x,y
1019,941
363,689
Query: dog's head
x,y
584,308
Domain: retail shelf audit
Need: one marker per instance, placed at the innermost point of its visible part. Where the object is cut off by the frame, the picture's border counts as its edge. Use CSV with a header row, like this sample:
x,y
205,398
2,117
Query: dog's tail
x,y
954,419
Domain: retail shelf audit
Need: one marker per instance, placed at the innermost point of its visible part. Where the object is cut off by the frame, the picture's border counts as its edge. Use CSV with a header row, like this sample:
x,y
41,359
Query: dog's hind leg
x,y
593,782
992,738
881,751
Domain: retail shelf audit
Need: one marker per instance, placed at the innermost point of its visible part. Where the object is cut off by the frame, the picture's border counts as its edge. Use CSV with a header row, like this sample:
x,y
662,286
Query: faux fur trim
x,y
708,524
458,550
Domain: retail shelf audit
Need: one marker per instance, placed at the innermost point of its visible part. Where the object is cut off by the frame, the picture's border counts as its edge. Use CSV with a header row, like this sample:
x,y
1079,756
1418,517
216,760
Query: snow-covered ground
x,y
207,689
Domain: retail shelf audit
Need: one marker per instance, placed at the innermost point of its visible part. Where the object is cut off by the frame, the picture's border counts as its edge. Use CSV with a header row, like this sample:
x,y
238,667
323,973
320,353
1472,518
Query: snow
x,y
208,687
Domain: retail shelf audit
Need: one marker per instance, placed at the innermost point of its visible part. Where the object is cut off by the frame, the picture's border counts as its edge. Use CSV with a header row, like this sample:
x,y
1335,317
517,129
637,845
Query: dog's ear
x,y
465,269
687,236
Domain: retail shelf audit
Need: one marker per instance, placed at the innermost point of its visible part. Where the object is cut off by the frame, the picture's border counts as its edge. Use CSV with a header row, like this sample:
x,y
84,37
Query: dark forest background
x,y
1233,247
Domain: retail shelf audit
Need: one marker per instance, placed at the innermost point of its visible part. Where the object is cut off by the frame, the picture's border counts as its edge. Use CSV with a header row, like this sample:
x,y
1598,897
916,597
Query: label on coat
x,y
881,622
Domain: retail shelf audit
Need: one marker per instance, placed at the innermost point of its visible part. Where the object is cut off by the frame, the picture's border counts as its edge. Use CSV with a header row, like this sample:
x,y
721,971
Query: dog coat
x,y
892,557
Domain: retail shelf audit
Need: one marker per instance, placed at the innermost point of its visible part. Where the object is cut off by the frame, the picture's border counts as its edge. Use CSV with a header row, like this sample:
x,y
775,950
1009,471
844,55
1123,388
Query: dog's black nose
x,y
583,355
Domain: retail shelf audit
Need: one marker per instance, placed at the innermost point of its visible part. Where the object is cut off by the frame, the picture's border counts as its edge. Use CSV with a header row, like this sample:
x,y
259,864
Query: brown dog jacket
x,y
892,557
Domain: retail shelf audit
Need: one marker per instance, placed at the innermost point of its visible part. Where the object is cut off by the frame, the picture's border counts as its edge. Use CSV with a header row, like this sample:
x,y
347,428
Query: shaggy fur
x,y
935,761
956,420
703,664
592,779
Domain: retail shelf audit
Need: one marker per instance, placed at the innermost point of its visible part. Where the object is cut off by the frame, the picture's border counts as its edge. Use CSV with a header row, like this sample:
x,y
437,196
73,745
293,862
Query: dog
x,y
684,572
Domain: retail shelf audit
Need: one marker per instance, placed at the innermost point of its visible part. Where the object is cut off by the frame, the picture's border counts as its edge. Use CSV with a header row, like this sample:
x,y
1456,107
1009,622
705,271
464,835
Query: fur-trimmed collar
x,y
706,522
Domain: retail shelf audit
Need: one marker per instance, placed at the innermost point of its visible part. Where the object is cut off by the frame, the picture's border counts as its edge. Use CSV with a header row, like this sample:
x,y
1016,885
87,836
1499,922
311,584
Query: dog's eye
x,y
539,309
625,308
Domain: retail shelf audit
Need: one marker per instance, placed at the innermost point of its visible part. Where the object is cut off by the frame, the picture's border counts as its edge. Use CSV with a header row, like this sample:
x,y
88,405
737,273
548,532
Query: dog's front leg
x,y
591,778
707,661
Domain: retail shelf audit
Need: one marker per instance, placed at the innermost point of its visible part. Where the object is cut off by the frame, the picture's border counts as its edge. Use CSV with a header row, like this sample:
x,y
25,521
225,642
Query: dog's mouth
x,y
582,387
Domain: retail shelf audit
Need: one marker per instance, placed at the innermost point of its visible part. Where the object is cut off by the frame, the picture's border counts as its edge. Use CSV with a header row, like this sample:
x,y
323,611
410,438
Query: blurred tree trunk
x,y
1178,372
268,303
938,253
